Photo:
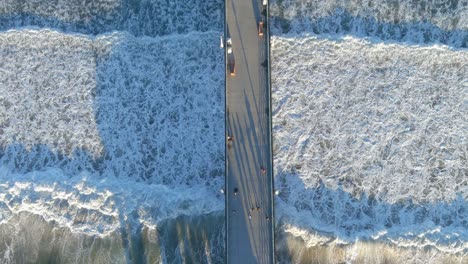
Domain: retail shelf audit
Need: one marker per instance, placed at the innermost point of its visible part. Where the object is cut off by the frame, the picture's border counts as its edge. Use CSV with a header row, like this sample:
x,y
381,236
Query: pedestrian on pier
x,y
230,138
235,191
263,170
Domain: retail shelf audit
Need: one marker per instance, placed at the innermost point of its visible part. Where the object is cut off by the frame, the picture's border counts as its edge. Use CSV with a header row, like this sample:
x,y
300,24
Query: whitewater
x,y
111,132
369,123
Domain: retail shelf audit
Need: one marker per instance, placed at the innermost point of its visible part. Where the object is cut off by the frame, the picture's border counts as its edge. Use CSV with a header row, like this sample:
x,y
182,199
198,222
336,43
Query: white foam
x,y
446,15
120,127
401,21
105,203
66,10
140,18
47,81
369,140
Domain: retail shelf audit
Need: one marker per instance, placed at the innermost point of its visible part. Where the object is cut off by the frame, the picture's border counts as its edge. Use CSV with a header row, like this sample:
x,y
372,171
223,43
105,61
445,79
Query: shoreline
x,y
29,238
292,249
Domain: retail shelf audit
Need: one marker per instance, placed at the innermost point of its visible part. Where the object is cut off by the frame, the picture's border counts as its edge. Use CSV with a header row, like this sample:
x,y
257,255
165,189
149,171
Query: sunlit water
x,y
370,106
111,132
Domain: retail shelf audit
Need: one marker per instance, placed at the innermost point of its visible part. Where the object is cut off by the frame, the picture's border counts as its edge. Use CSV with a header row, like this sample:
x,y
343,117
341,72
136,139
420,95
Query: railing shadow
x,y
193,239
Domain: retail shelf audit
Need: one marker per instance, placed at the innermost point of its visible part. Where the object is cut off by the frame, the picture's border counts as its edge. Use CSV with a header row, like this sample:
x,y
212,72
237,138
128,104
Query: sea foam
x,y
96,130
369,141
443,22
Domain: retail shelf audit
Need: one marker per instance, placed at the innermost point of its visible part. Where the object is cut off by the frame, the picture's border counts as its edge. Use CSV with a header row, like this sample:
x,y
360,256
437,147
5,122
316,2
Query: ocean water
x,y
370,107
137,17
111,132
108,155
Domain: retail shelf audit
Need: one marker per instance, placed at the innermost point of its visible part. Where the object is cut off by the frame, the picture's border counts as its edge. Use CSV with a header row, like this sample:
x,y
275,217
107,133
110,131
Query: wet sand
x,y
290,249
28,238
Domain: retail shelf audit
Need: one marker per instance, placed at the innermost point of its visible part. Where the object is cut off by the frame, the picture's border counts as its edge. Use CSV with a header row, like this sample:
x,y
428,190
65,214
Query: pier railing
x,y
270,131
226,121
